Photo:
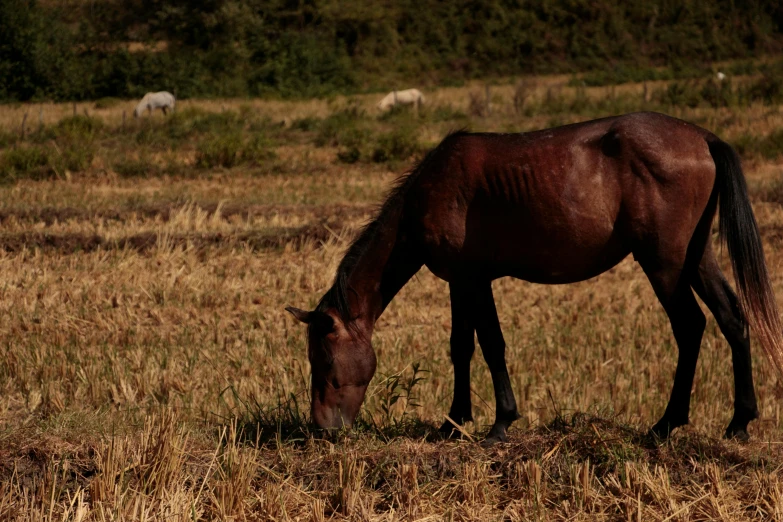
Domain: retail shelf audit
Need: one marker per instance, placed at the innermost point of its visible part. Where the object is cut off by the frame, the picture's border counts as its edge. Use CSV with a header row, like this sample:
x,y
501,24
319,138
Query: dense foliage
x,y
74,49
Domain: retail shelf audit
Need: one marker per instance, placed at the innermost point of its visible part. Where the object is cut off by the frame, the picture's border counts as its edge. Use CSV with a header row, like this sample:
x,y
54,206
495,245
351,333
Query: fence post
x,y
647,93
24,123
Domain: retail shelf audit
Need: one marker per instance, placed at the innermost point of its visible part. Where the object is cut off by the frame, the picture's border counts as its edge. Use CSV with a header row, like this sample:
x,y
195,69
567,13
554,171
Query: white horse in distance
x,y
155,100
406,97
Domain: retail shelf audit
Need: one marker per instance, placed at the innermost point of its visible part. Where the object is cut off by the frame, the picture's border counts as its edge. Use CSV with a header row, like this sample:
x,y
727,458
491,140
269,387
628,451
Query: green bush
x,y
184,125
75,156
399,144
134,168
19,162
222,150
345,127
257,149
78,127
231,149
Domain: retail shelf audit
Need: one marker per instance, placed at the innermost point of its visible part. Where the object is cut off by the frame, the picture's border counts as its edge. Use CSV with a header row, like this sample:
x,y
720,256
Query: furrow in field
x,y
274,238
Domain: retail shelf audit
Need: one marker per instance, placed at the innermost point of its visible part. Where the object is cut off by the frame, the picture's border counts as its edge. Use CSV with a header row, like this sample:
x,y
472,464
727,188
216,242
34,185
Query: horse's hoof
x,y
737,434
491,441
664,428
495,435
658,434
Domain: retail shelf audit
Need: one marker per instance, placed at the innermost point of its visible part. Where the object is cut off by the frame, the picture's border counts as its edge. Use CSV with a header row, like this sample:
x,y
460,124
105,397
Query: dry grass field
x,y
148,370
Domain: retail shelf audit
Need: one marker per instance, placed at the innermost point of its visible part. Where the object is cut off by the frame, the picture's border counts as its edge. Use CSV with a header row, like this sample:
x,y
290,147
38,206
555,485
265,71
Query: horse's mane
x,y
337,296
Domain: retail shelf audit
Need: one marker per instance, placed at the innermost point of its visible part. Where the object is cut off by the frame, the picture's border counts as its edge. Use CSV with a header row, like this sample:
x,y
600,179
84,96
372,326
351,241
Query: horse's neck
x,y
382,270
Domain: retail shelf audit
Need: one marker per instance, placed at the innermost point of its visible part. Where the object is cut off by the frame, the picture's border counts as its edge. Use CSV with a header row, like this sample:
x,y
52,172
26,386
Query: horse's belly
x,y
550,252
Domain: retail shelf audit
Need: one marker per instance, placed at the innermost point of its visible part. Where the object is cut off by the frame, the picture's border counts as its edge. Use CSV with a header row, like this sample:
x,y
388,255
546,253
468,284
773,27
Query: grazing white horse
x,y
406,97
155,100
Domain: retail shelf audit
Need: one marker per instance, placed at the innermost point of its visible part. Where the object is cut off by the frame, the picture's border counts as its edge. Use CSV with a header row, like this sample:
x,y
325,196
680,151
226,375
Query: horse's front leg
x,y
462,348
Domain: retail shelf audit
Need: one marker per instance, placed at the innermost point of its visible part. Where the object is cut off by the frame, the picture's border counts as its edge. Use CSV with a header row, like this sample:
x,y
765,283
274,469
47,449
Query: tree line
x,y
89,49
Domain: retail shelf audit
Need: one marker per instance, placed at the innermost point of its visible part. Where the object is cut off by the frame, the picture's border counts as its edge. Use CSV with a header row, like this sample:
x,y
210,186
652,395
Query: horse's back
x,y
527,203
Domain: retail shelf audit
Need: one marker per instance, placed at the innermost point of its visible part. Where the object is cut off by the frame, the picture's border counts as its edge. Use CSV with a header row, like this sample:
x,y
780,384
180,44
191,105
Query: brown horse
x,y
553,206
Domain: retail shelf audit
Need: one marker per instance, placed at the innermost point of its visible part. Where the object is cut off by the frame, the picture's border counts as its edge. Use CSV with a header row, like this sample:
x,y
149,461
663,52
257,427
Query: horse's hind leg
x,y
165,110
462,348
673,288
493,346
716,293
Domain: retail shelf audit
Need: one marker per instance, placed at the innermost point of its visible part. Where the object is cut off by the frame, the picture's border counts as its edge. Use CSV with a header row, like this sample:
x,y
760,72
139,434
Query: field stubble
x,y
148,370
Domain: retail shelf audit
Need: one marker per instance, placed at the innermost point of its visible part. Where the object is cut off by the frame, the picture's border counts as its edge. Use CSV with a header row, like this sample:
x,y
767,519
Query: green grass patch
x,y
135,168
232,149
22,162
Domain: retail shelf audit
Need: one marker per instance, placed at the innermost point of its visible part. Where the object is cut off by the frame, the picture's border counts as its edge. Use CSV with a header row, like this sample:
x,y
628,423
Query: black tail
x,y
739,230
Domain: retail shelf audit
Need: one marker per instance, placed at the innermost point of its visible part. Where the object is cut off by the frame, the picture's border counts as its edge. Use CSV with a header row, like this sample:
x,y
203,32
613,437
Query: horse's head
x,y
342,363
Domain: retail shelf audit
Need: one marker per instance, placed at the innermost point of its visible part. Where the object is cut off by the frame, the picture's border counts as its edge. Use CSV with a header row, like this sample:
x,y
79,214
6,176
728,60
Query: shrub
x,y
340,128
78,127
219,151
24,162
230,149
399,144
135,168
75,155
257,149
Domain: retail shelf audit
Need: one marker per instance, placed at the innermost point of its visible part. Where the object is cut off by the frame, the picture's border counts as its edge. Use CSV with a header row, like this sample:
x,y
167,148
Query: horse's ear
x,y
300,315
324,323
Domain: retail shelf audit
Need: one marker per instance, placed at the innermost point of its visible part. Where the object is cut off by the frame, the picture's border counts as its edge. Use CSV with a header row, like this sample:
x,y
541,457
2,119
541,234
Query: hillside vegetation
x,y
77,50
